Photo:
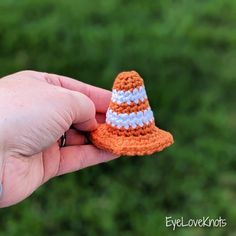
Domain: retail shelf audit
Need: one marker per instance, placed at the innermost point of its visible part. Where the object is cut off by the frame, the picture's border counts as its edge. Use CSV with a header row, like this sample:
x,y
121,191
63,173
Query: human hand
x,y
35,110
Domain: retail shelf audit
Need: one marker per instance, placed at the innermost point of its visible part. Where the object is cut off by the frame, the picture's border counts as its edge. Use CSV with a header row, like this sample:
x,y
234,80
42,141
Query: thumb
x,y
81,109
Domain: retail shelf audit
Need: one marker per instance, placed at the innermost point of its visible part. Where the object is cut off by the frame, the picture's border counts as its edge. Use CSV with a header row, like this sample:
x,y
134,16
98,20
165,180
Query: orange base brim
x,y
131,145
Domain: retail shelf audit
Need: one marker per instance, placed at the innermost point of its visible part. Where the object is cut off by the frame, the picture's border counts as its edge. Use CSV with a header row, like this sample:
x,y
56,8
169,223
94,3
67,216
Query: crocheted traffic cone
x,y
130,127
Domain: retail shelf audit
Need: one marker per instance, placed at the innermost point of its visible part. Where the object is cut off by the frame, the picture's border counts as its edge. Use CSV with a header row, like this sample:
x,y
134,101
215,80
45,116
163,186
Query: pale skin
x,y
35,110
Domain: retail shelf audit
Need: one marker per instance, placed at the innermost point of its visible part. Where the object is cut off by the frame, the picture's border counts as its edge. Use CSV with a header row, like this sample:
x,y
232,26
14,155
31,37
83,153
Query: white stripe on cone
x,y
120,96
133,119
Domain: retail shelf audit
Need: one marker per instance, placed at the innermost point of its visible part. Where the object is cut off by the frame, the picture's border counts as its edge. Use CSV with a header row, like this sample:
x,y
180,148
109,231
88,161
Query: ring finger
x,y
74,137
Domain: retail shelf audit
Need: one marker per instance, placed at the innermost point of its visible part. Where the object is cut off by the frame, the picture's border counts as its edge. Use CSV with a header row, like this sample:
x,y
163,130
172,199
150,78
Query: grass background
x,y
185,51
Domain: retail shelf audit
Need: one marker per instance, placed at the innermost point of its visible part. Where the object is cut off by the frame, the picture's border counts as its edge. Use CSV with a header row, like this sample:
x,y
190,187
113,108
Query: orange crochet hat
x,y
130,127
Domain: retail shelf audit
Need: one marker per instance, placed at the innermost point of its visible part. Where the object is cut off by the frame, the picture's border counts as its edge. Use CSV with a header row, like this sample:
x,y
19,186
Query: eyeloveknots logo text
x,y
205,221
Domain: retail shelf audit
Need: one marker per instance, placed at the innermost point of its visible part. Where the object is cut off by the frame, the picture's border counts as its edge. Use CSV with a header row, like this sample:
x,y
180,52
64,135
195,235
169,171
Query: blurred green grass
x,y
185,51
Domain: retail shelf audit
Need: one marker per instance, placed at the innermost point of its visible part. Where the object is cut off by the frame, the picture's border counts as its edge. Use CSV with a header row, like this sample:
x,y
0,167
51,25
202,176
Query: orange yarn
x,y
147,129
128,81
125,108
130,127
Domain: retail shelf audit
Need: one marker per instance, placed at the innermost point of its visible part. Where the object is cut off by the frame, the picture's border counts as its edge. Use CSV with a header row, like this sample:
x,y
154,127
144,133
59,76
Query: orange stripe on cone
x,y
133,107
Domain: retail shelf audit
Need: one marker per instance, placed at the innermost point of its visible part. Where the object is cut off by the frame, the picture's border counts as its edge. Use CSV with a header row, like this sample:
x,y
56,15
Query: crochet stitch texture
x,y
130,126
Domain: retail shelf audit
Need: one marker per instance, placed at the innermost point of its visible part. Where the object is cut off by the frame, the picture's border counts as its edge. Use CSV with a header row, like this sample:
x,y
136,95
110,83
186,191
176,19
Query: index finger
x,y
100,97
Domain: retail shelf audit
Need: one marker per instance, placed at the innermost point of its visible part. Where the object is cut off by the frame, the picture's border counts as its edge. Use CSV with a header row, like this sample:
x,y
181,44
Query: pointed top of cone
x,y
129,109
128,80
130,127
